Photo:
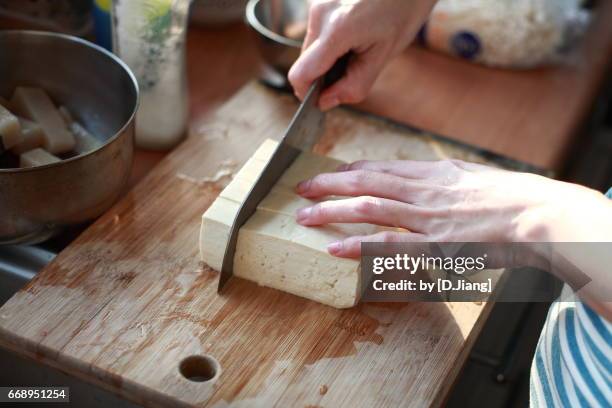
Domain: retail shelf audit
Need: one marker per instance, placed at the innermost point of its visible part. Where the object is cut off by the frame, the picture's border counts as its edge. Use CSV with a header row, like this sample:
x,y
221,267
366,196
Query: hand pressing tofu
x,y
272,249
35,104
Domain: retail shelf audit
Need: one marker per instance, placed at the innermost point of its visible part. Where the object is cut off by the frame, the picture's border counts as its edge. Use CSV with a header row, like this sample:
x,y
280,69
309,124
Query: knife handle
x,y
337,70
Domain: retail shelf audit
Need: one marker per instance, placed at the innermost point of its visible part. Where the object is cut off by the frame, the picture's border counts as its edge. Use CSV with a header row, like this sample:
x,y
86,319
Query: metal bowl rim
x,y
265,31
108,54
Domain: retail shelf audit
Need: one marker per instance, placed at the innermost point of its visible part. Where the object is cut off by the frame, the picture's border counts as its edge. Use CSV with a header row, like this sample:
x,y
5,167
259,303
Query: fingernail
x,y
303,214
303,186
329,103
334,248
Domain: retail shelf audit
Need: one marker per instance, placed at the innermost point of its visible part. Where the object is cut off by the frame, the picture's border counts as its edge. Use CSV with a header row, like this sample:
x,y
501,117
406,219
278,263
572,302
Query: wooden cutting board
x,y
128,301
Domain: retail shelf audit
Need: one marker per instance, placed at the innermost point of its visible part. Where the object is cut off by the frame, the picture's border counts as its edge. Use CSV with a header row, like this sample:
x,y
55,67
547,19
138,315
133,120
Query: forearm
x,y
580,230
585,215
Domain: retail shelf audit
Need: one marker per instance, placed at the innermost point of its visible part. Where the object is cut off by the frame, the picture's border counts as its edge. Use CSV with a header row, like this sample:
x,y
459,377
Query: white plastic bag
x,y
506,33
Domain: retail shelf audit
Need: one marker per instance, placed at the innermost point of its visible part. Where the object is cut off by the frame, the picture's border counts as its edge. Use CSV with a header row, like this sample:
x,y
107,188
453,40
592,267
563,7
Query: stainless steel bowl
x,y
270,20
102,94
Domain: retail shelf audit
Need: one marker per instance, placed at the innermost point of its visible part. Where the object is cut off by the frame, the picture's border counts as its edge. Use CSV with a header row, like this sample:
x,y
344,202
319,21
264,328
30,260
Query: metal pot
x,y
270,19
102,94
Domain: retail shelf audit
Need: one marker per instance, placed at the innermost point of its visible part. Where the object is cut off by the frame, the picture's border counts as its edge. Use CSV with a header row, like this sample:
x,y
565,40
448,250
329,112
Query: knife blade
x,y
302,134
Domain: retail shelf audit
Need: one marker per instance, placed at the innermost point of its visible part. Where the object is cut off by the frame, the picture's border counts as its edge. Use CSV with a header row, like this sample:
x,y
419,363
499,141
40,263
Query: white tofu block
x,y
10,129
272,249
66,115
85,142
36,157
35,104
32,136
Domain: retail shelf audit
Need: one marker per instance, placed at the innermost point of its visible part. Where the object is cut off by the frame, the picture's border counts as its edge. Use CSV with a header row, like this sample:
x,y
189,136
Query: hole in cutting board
x,y
199,368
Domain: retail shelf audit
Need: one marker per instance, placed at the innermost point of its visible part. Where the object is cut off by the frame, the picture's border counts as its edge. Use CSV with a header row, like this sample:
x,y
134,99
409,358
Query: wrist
x,y
533,224
570,214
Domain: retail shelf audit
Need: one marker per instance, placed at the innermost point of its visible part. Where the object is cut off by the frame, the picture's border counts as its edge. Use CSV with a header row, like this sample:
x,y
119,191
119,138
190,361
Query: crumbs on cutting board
x,y
351,136
214,132
223,175
211,133
367,138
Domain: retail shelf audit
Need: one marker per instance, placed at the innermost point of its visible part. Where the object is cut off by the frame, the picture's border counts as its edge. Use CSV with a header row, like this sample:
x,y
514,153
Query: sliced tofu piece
x,y
37,157
85,141
35,104
32,136
10,129
272,249
66,115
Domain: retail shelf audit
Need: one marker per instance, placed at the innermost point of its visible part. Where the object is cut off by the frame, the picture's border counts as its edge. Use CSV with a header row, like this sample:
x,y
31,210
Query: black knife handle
x,y
337,70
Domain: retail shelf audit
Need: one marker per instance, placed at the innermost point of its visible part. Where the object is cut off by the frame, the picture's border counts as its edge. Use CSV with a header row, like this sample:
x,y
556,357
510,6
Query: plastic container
x,y
149,35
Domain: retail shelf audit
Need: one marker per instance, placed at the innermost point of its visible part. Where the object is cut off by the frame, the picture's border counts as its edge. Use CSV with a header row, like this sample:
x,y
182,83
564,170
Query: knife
x,y
302,134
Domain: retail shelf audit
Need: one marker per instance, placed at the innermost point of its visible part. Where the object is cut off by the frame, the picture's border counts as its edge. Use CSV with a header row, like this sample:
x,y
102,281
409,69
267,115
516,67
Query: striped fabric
x,y
572,366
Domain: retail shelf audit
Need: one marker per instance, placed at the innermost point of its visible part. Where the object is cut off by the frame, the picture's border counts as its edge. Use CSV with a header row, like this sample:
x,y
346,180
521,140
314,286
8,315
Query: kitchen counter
x,y
220,62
